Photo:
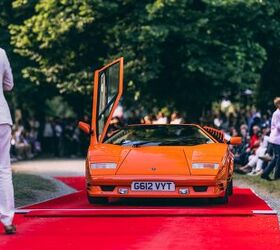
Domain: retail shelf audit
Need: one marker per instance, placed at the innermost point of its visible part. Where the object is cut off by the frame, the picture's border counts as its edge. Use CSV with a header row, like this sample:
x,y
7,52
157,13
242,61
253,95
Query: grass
x,y
272,187
29,188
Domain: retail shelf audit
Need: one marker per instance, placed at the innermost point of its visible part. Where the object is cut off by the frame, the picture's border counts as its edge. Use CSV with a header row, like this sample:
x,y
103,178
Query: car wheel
x,y
97,200
221,200
230,188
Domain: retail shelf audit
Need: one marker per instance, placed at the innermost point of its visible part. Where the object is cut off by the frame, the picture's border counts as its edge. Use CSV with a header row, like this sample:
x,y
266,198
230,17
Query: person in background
x,y
255,164
58,131
115,125
254,142
241,155
48,135
161,118
7,206
147,120
217,120
69,138
274,139
176,118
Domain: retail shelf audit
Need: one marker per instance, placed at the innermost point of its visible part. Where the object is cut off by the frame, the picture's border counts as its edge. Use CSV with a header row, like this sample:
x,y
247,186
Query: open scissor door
x,y
107,91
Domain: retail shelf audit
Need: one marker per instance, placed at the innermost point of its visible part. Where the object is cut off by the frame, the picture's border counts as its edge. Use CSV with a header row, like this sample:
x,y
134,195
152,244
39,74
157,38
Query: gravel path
x,y
51,167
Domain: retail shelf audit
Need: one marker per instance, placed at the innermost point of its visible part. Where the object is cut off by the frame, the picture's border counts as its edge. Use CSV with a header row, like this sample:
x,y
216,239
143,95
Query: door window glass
x,y
108,91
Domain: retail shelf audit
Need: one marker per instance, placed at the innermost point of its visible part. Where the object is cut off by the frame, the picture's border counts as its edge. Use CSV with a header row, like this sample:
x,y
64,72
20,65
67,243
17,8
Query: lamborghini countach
x,y
151,161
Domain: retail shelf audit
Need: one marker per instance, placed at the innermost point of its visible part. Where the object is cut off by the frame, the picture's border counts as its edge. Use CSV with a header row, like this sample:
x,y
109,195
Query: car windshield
x,y
159,135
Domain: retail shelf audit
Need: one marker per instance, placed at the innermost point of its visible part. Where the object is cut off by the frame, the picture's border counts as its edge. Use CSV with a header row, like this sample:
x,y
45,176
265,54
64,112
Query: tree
x,y
268,34
26,96
182,54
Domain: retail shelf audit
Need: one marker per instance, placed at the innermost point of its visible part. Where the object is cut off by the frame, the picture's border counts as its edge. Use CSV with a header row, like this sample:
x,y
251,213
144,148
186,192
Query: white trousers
x,y
7,204
254,160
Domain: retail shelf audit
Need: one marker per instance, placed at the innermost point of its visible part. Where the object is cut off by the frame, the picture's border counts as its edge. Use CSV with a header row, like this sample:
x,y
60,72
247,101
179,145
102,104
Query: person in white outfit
x,y
6,185
255,164
161,118
176,118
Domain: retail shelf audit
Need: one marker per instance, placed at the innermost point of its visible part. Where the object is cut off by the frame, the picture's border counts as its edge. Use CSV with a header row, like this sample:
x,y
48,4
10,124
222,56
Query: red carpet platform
x,y
69,222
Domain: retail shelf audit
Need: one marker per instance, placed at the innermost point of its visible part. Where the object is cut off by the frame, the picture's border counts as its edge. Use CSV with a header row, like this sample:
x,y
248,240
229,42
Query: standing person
x,y
6,185
274,139
58,131
48,136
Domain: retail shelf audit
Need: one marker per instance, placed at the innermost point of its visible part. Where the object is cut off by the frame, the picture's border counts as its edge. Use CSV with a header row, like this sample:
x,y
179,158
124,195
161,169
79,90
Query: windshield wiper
x,y
136,145
140,143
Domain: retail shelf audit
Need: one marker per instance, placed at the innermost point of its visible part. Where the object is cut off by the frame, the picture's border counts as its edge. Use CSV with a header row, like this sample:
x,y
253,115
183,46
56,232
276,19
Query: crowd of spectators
x,y
255,153
161,118
62,138
52,138
56,137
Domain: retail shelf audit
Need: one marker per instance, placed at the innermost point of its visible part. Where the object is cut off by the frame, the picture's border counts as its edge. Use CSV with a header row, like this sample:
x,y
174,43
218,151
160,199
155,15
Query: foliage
x,y
57,107
26,96
182,54
61,42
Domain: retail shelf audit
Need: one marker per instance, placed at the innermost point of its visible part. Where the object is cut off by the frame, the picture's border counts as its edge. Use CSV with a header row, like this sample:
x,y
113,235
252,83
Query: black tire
x,y
221,200
230,188
97,200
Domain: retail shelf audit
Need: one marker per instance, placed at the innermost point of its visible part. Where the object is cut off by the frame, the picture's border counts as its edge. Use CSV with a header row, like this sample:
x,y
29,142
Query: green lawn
x,y
29,188
272,187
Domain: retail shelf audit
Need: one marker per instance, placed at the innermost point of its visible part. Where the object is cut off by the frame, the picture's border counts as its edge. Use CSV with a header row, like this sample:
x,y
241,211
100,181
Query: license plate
x,y
152,186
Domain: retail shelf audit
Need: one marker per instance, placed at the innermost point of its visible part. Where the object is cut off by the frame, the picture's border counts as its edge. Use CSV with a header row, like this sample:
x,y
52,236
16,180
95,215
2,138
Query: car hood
x,y
154,161
160,160
170,160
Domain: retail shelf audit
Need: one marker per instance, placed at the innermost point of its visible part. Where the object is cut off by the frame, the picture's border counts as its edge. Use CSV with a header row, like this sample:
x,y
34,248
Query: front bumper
x,y
215,187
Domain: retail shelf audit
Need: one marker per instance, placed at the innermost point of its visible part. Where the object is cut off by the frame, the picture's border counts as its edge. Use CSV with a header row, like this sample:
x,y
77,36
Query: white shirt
x,y
161,120
58,130
48,130
6,84
177,121
265,141
275,128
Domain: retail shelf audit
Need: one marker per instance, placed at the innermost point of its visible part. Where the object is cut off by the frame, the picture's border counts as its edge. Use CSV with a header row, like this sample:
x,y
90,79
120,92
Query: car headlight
x,y
103,165
197,165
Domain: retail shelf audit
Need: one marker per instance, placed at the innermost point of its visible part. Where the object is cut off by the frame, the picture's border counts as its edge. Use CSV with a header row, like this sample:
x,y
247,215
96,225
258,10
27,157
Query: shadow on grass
x,y
28,188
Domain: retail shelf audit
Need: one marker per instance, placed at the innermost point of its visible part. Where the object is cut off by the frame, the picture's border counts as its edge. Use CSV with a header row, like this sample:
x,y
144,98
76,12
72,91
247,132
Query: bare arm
x,y
8,82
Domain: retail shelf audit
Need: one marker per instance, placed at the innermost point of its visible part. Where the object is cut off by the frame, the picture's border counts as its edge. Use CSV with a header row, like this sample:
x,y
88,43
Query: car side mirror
x,y
85,127
235,140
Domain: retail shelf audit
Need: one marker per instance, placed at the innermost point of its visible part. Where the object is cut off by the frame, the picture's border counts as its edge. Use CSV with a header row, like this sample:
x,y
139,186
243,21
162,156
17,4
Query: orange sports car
x,y
151,161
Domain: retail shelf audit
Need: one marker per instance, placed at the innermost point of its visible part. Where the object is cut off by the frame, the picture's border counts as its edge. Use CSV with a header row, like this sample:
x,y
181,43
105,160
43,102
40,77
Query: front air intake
x,y
107,188
200,188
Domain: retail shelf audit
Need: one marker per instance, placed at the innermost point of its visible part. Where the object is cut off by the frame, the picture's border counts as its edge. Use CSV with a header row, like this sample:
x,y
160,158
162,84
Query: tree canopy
x,y
183,54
